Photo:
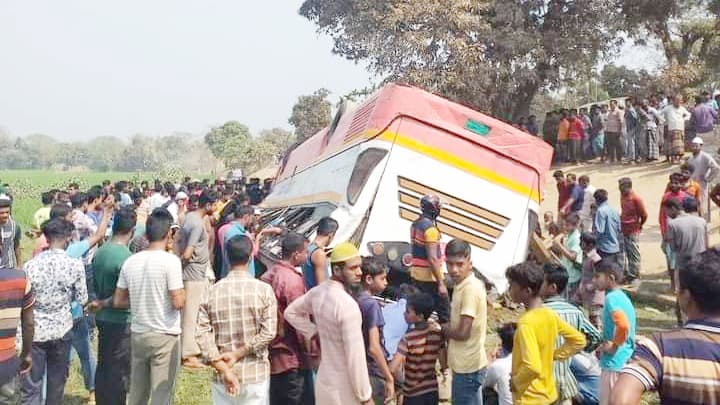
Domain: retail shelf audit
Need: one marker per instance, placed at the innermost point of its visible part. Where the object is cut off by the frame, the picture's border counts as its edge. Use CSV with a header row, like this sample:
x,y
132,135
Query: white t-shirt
x,y
498,379
157,200
588,201
149,276
675,117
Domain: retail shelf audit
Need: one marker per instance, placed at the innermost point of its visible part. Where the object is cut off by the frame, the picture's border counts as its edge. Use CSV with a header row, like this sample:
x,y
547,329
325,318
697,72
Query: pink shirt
x,y
343,374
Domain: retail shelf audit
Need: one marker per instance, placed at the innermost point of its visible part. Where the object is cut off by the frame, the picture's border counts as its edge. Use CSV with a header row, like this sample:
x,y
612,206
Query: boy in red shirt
x,y
675,192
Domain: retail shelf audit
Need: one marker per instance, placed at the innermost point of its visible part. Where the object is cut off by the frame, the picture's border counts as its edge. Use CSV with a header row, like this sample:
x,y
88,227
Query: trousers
x,y
155,361
112,378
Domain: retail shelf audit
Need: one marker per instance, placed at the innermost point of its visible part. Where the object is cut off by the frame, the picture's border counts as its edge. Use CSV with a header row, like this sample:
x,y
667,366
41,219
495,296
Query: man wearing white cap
x,y
706,168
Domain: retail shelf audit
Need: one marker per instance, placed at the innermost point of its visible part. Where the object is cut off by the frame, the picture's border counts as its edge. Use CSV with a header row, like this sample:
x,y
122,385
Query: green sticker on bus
x,y
477,127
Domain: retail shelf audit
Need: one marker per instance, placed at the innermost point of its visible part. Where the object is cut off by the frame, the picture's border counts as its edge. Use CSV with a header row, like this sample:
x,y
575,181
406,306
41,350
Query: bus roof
x,y
394,101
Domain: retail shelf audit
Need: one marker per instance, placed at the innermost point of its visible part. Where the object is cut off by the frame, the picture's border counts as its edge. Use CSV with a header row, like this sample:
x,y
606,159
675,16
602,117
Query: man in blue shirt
x,y
606,228
243,219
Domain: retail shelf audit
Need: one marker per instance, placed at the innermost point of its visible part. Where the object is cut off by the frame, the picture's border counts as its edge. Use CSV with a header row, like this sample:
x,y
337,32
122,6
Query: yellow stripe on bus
x,y
453,160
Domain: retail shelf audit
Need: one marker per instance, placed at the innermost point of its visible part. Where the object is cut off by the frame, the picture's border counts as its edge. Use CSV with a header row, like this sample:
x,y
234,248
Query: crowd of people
x,y
171,276
632,131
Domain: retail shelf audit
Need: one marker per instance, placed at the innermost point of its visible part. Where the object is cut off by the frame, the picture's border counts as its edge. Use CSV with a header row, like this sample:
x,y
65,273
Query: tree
x,y
688,32
43,149
279,139
228,141
620,81
493,55
105,153
310,114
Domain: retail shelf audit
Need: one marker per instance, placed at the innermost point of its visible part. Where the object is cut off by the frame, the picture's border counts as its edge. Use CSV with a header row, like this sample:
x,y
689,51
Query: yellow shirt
x,y
468,299
219,207
534,352
41,216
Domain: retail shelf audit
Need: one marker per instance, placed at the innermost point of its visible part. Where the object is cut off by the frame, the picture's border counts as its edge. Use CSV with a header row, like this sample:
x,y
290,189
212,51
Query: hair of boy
x,y
421,303
609,267
243,210
555,274
571,176
558,174
588,238
406,290
701,277
584,178
59,211
46,198
457,248
207,198
625,181
372,267
676,177
239,249
57,228
506,332
78,199
690,205
601,195
292,243
327,226
92,195
158,224
573,218
673,203
526,275
125,221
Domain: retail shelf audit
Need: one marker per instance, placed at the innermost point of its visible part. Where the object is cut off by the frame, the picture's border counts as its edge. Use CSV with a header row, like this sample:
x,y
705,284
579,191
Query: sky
x,y
76,69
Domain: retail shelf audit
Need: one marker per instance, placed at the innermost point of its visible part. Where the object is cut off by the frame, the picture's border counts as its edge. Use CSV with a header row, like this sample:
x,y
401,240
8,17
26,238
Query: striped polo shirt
x,y
683,365
15,295
421,348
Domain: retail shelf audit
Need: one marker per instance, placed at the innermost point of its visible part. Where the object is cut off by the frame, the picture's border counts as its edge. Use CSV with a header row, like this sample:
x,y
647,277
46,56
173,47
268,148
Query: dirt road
x,y
649,181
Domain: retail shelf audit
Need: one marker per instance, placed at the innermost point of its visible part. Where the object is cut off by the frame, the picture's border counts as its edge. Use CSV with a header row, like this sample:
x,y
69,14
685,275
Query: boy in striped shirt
x,y
418,352
681,364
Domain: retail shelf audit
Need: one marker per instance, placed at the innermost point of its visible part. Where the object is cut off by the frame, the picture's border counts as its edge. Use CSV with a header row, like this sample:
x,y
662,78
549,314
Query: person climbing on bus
x,y
426,270
317,267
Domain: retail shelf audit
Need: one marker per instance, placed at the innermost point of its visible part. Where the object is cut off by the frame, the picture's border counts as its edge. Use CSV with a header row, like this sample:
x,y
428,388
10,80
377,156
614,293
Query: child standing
x,y
619,320
374,281
570,253
590,298
537,332
418,353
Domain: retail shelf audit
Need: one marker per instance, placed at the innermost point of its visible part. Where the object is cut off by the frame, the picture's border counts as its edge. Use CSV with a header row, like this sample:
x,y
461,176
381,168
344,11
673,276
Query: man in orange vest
x,y
426,270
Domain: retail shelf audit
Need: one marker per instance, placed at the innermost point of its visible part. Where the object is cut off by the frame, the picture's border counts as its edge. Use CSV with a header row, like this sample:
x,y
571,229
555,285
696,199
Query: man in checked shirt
x,y
236,323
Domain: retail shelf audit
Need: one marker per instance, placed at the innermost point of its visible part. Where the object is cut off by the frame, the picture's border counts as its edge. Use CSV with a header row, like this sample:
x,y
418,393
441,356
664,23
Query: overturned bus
x,y
370,167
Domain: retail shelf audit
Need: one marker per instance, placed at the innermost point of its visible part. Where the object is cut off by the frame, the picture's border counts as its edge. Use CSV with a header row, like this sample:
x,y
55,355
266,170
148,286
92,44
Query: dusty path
x,y
649,181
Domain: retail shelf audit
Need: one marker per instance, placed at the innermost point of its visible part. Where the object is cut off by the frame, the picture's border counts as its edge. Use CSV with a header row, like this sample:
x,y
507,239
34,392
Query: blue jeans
x,y
588,382
467,388
81,344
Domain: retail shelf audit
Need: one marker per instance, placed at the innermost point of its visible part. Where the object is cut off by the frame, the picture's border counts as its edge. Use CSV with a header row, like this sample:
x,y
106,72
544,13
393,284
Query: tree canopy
x,y
688,32
310,114
494,55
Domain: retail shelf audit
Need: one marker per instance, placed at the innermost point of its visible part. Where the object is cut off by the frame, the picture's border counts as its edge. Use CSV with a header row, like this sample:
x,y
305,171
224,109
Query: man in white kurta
x,y
343,375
